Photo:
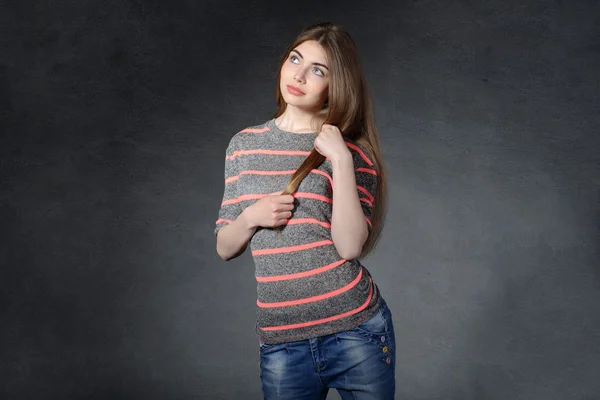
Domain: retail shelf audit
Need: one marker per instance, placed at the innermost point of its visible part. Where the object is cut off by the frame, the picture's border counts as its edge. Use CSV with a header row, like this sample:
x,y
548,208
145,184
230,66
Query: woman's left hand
x,y
330,143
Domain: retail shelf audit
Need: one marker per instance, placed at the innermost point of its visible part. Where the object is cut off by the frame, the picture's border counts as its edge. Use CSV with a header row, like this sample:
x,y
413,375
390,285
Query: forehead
x,y
312,51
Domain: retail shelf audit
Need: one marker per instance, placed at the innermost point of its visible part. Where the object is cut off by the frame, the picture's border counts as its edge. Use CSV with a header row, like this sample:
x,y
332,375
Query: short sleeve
x,y
365,172
230,208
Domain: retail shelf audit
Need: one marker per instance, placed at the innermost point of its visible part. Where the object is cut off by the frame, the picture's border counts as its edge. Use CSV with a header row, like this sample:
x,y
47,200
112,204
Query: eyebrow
x,y
319,64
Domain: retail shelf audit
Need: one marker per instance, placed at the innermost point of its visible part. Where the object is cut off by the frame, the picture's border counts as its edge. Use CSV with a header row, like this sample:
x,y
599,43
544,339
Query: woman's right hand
x,y
271,211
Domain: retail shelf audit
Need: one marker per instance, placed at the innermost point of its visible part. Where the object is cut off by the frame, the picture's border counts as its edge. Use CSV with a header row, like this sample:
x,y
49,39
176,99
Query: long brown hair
x,y
348,107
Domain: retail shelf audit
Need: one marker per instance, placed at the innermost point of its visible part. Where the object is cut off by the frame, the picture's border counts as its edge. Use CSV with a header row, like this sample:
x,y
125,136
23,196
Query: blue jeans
x,y
359,363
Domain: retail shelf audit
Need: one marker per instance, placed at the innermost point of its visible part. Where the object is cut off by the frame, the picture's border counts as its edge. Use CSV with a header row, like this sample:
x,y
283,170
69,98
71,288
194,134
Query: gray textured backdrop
x,y
114,119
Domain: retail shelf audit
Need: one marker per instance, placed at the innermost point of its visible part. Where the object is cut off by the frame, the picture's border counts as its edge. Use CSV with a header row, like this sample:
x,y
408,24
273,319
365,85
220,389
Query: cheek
x,y
287,70
317,85
322,89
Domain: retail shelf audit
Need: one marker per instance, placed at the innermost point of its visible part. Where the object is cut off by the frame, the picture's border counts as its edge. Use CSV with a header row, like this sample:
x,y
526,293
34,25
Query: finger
x,y
284,210
285,199
285,215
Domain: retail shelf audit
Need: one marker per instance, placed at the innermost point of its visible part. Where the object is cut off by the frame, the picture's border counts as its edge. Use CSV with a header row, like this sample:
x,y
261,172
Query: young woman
x,y
321,321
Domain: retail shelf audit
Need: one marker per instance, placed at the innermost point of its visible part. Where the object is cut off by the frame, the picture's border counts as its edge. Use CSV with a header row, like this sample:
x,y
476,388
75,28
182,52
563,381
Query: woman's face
x,y
305,77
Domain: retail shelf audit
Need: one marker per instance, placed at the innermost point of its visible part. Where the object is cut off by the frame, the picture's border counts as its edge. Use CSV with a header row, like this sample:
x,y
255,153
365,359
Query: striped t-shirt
x,y
305,289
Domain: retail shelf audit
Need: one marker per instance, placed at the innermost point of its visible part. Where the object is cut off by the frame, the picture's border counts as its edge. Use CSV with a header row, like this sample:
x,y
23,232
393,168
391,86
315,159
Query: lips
x,y
295,91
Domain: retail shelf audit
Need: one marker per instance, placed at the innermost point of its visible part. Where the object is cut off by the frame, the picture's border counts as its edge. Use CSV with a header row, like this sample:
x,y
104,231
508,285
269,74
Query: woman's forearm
x,y
233,239
348,225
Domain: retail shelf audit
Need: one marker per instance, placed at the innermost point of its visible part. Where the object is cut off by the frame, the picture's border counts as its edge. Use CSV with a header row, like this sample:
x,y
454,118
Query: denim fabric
x,y
359,363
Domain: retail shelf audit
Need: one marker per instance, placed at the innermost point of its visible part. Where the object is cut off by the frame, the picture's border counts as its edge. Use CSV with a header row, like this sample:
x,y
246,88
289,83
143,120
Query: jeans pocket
x,y
265,348
375,326
378,328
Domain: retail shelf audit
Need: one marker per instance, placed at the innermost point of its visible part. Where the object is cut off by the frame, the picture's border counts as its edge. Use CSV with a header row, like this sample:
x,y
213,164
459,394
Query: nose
x,y
299,76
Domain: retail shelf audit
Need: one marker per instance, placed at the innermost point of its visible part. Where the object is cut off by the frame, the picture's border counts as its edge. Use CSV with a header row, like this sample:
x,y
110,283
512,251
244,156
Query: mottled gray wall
x,y
114,119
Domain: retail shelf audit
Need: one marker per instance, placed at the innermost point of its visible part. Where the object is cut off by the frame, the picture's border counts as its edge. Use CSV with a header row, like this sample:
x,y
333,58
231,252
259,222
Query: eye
x,y
293,59
318,71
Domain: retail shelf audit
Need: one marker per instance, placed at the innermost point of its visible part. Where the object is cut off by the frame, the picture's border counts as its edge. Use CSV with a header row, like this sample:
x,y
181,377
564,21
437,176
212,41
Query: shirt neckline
x,y
276,129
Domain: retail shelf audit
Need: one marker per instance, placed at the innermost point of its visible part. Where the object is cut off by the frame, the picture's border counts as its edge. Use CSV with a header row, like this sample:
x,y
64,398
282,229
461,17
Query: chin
x,y
297,102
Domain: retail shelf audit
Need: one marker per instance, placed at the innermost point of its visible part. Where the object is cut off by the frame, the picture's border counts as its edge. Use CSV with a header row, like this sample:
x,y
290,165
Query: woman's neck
x,y
296,120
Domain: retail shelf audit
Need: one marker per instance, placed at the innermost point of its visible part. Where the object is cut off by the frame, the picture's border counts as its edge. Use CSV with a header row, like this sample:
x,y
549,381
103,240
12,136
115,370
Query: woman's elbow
x,y
226,256
223,257
349,250
222,253
349,253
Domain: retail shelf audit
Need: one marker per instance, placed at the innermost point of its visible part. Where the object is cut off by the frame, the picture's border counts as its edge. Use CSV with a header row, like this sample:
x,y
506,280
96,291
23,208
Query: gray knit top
x,y
305,289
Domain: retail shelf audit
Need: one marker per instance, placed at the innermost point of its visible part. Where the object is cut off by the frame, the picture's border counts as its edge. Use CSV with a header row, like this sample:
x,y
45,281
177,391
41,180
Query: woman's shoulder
x,y
255,129
248,133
